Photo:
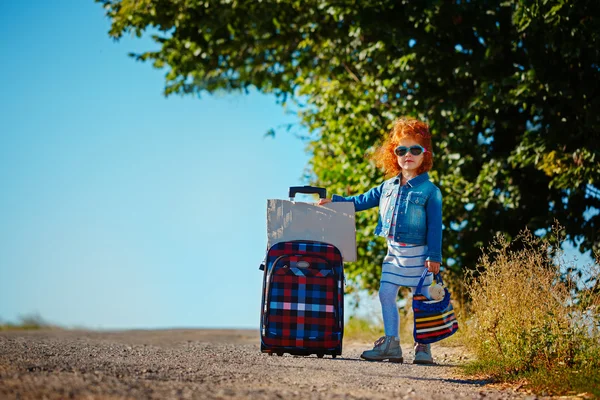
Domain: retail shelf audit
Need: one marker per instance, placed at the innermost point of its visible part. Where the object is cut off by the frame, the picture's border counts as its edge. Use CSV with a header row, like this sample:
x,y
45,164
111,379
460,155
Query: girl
x,y
410,217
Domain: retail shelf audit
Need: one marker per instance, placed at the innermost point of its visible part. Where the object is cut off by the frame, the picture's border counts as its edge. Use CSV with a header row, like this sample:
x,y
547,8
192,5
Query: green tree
x,y
509,88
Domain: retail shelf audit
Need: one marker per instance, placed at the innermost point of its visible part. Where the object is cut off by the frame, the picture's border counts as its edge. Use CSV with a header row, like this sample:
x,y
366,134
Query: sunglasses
x,y
416,150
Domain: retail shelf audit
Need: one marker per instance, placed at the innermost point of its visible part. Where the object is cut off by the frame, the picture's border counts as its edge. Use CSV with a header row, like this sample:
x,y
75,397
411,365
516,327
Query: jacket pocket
x,y
417,199
417,217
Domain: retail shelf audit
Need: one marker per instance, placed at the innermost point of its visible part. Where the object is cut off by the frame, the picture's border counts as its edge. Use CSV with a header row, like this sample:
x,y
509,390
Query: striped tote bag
x,y
434,320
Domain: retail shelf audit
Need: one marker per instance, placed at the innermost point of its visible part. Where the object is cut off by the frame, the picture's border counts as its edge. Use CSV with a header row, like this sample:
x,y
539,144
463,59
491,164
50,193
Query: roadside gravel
x,y
214,364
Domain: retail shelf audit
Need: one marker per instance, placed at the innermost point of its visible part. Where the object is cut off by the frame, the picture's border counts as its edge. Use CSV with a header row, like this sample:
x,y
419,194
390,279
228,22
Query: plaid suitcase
x,y
302,310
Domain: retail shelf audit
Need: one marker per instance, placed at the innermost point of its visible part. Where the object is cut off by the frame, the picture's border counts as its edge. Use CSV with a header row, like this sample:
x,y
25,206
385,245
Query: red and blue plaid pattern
x,y
303,298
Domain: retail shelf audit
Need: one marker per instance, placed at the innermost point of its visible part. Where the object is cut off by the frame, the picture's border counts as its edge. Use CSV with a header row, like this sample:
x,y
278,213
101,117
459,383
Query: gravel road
x,y
214,364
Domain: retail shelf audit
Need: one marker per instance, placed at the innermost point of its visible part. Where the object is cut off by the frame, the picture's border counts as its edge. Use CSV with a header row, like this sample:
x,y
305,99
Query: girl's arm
x,y
434,226
363,201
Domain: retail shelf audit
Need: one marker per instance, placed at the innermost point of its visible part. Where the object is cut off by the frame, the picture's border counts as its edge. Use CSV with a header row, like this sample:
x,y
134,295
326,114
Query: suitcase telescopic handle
x,y
322,192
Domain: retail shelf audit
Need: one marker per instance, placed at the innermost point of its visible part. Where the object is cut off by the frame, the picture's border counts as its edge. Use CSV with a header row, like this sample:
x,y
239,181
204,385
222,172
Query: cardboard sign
x,y
333,223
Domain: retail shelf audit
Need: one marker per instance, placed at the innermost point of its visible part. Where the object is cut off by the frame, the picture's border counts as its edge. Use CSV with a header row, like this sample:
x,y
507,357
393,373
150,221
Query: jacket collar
x,y
416,181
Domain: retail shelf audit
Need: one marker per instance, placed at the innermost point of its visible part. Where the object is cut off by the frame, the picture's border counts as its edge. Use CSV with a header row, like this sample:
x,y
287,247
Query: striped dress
x,y
404,263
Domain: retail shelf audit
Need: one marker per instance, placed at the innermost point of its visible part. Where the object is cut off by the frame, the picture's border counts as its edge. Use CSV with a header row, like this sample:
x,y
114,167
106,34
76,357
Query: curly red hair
x,y
384,156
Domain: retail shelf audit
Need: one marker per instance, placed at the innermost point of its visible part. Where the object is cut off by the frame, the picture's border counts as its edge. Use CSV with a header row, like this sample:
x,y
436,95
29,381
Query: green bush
x,y
28,322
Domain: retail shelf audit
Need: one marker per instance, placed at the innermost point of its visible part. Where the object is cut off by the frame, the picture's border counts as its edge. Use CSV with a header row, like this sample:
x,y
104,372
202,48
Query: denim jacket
x,y
419,219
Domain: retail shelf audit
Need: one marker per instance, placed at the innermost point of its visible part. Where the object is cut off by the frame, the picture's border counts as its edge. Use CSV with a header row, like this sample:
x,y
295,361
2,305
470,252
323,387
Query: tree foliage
x,y
509,88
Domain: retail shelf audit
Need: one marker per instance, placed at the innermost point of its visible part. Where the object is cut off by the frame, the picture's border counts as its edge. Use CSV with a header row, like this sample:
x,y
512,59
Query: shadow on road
x,y
445,365
476,382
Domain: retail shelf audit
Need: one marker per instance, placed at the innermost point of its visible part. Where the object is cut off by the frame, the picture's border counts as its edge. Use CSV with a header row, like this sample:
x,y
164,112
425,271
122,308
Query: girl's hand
x,y
324,201
433,266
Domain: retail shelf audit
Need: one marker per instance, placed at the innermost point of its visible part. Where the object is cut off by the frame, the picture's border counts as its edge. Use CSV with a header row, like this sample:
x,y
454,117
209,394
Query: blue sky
x,y
121,208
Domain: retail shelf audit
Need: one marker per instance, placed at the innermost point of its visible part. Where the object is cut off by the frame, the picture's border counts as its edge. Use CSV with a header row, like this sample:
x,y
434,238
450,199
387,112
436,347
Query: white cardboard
x,y
332,223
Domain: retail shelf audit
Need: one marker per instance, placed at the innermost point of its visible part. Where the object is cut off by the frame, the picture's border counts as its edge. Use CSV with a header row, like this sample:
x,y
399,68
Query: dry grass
x,y
535,317
362,330
529,316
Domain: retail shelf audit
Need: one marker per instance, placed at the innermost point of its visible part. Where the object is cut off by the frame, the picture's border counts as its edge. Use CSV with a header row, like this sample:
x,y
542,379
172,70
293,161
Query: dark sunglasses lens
x,y
401,151
415,151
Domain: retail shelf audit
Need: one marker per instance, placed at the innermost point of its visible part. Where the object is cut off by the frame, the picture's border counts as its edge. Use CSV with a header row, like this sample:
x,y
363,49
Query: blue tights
x,y
388,294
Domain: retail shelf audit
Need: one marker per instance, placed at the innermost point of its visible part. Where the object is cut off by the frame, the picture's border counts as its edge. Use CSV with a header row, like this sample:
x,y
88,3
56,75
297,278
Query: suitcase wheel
x,y
320,355
333,355
279,353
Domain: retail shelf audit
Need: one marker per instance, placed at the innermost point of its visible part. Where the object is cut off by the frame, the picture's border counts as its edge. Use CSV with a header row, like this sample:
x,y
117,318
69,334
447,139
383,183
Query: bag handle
x,y
437,277
322,192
